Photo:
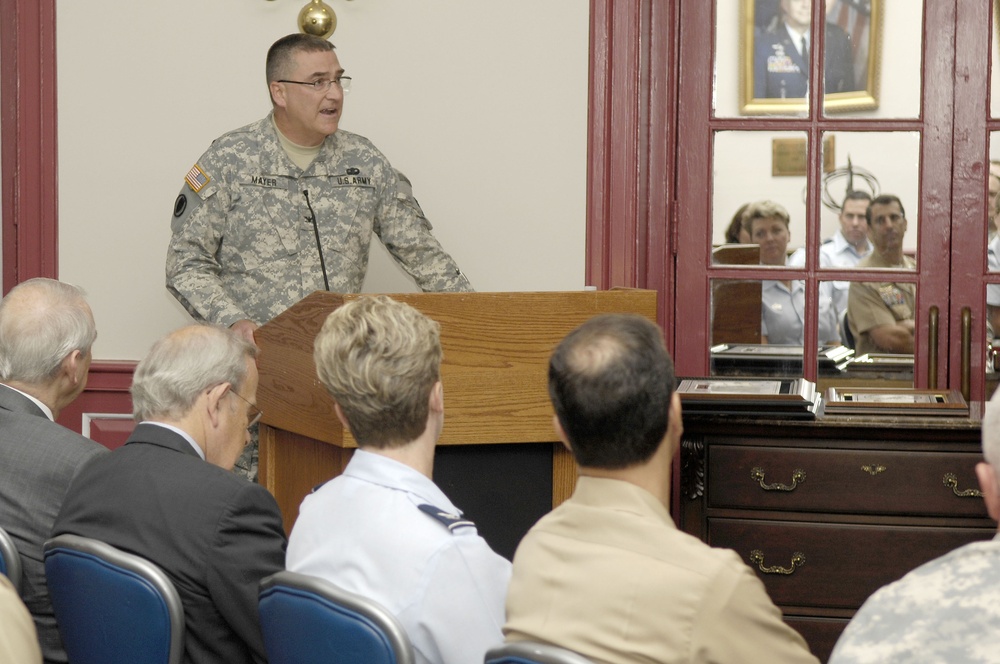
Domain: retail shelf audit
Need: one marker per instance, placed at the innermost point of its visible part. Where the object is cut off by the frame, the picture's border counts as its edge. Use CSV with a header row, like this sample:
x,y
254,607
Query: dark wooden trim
x,y
28,124
632,144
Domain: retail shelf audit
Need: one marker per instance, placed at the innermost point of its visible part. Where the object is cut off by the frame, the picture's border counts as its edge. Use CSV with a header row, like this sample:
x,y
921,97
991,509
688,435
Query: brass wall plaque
x,y
788,156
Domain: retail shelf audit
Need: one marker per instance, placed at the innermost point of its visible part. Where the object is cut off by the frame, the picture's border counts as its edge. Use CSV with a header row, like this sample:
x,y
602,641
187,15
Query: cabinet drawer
x,y
841,565
820,633
839,480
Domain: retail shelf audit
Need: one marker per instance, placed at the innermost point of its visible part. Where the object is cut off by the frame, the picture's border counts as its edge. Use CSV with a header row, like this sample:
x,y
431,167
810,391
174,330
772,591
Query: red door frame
x,y
631,145
29,124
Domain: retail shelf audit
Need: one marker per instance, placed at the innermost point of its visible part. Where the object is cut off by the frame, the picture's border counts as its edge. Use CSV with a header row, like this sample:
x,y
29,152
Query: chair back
x,y
112,607
10,561
307,620
529,652
845,331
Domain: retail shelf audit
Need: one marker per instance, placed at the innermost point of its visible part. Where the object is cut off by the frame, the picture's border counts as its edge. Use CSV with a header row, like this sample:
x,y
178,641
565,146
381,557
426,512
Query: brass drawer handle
x,y
798,475
951,481
874,470
757,557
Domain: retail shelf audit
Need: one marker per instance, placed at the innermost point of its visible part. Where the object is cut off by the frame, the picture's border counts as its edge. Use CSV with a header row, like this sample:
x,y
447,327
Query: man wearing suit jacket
x,y
168,496
46,331
781,50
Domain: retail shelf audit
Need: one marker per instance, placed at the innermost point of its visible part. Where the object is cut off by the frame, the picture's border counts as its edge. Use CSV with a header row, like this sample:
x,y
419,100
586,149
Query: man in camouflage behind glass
x,y
946,610
245,225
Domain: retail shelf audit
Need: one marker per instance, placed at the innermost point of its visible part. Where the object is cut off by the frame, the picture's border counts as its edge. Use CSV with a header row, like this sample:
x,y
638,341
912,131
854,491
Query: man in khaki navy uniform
x,y
607,573
880,315
18,640
288,205
945,610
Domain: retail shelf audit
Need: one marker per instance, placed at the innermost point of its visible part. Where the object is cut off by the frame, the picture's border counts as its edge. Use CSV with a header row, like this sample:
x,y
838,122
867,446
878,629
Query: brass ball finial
x,y
317,18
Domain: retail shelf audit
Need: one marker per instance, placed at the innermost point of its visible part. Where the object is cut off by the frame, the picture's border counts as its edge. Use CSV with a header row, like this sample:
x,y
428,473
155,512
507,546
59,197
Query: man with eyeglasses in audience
x,y
168,494
288,205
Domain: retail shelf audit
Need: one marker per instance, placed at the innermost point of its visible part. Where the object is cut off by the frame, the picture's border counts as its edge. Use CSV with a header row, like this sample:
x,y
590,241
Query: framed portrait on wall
x,y
776,39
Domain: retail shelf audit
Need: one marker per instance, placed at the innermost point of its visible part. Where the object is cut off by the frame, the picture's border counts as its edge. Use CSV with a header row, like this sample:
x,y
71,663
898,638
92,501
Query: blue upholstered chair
x,y
10,561
112,607
306,620
528,652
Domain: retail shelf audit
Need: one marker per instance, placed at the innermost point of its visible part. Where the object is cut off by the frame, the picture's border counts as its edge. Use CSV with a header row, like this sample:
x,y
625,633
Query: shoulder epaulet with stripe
x,y
450,520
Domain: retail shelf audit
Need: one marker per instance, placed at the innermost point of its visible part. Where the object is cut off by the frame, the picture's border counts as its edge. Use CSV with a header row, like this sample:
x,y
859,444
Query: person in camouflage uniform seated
x,y
287,205
945,610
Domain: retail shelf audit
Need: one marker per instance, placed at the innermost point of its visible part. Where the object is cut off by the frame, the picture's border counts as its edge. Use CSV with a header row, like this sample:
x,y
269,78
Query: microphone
x,y
319,245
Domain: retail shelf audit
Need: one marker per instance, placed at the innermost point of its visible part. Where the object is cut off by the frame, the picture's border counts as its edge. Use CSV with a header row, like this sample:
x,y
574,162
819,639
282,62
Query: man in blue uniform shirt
x,y
383,529
781,55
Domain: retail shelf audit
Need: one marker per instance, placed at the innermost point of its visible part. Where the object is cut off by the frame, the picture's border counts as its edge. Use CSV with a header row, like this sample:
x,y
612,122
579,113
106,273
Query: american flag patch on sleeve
x,y
196,178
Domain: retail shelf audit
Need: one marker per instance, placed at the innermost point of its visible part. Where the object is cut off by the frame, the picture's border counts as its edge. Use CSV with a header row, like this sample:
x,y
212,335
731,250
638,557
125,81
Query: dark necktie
x,y
805,51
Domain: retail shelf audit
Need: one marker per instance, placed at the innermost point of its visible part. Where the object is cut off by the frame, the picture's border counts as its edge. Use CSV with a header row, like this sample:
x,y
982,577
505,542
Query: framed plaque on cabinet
x,y
896,402
790,397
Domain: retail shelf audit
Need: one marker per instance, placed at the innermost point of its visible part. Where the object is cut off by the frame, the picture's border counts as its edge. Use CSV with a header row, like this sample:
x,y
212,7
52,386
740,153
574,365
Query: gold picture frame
x,y
772,81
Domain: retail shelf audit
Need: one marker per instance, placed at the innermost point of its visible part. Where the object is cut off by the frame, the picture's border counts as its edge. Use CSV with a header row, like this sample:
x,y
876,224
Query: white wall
x,y
483,105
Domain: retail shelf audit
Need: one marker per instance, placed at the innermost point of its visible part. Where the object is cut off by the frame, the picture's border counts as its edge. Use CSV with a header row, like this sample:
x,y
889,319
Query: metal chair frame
x,y
10,560
135,569
338,603
530,652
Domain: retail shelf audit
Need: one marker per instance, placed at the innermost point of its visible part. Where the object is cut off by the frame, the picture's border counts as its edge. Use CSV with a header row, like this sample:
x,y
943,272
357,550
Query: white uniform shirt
x,y
993,264
838,252
783,309
365,532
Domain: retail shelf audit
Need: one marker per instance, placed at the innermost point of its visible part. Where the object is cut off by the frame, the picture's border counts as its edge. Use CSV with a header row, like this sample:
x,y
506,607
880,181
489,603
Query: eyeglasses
x,y
253,414
323,84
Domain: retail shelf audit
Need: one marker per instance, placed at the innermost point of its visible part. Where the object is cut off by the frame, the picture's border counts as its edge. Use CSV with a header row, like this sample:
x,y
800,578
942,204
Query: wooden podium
x,y
496,351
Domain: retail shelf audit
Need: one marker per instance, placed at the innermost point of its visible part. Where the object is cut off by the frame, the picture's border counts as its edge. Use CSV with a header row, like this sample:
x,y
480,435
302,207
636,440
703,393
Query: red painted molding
x,y
105,407
631,145
28,124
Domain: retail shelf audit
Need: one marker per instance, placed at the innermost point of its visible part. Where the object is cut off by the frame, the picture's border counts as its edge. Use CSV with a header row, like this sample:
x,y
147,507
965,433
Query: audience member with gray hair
x,y
215,534
945,610
383,529
46,332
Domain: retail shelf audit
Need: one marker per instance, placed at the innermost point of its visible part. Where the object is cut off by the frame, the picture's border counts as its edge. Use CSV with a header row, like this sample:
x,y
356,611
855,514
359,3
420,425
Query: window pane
x,y
869,70
872,365
992,221
759,168
865,165
754,74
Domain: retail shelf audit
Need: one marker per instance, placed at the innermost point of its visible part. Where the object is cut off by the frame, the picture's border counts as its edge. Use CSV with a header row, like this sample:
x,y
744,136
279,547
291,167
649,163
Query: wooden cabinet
x,y
829,511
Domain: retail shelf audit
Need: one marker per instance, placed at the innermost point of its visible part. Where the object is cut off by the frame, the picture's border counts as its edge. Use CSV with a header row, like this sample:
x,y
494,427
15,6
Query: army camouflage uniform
x,y
244,245
943,611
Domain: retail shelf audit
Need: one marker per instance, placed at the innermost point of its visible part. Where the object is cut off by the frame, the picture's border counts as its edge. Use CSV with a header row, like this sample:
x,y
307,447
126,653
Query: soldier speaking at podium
x,y
287,205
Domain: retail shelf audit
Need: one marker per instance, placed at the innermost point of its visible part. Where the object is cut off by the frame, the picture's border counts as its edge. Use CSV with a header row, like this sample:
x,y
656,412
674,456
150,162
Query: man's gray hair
x,y
183,364
42,321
